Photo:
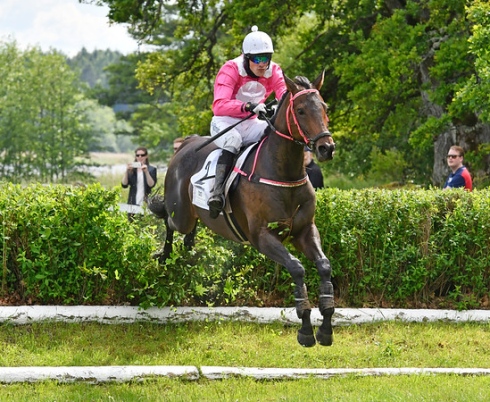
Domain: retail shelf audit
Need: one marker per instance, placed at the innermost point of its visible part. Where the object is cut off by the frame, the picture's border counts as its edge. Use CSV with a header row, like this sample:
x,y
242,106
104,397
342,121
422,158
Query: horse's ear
x,y
292,87
319,80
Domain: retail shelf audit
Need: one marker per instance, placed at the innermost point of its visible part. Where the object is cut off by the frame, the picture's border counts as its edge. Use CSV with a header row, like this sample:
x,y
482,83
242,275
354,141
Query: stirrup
x,y
216,204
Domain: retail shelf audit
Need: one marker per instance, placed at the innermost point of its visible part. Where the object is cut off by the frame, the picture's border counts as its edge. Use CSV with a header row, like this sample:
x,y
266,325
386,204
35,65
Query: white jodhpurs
x,y
245,133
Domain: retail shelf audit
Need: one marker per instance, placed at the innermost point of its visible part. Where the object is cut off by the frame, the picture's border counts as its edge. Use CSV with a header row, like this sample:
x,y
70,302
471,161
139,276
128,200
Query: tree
x,y
91,65
400,74
43,128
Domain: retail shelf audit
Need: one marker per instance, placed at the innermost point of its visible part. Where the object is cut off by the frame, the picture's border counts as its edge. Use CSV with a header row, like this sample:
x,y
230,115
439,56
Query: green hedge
x,y
390,248
70,245
399,246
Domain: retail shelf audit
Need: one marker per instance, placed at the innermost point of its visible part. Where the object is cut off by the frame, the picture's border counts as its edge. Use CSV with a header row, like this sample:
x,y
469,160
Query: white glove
x,y
260,108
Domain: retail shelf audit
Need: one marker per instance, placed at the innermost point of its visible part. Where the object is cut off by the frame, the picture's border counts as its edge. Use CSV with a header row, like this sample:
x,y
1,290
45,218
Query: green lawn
x,y
239,344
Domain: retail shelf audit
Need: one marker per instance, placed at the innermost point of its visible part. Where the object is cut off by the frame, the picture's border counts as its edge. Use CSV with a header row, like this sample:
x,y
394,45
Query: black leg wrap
x,y
326,300
305,333
302,302
303,310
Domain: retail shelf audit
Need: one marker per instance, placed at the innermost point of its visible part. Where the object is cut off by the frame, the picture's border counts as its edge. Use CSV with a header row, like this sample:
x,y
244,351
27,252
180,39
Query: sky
x,y
64,25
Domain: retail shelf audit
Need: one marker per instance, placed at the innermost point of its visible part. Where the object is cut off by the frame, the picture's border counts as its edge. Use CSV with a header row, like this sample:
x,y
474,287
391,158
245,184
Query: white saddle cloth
x,y
202,182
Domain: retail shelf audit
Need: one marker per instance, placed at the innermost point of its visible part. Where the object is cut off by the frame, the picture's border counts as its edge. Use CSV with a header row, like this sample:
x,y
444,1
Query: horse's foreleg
x,y
303,310
275,250
309,243
324,334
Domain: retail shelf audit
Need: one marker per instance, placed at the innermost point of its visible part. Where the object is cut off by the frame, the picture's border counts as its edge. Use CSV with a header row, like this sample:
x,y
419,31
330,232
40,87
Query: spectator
x,y
313,170
240,89
460,176
141,177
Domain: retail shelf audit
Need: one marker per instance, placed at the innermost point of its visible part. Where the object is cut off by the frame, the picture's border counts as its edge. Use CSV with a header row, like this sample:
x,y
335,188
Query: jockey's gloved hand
x,y
256,108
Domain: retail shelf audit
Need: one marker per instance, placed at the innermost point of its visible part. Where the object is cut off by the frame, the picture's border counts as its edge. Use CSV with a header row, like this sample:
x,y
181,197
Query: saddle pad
x,y
202,182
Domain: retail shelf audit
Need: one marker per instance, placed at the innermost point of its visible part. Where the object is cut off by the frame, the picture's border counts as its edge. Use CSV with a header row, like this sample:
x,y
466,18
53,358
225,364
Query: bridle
x,y
309,142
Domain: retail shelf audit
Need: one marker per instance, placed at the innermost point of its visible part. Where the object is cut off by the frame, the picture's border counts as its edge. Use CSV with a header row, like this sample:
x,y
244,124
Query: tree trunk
x,y
469,136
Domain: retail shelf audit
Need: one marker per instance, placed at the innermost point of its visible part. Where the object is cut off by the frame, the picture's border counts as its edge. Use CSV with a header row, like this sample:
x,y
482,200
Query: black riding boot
x,y
216,201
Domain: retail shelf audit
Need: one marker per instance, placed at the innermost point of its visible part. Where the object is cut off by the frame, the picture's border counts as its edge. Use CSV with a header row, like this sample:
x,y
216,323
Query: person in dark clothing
x,y
313,170
141,177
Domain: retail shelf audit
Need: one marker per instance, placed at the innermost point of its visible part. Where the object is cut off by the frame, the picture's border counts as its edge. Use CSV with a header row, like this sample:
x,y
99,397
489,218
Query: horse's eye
x,y
300,111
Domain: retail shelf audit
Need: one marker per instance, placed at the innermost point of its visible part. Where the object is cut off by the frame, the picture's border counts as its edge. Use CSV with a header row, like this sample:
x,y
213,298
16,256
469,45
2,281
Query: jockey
x,y
241,87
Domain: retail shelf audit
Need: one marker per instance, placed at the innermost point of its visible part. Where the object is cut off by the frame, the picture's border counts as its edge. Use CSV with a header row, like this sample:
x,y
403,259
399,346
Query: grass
x,y
251,345
393,389
244,344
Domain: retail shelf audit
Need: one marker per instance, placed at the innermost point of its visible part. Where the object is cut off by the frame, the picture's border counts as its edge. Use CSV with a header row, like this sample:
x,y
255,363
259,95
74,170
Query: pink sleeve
x,y
279,85
224,103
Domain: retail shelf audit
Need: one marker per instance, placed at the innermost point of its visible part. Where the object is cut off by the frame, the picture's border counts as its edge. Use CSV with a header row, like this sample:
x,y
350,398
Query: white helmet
x,y
257,42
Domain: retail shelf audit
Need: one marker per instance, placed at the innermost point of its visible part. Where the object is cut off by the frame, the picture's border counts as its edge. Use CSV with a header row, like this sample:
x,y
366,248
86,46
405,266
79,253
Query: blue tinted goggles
x,y
260,58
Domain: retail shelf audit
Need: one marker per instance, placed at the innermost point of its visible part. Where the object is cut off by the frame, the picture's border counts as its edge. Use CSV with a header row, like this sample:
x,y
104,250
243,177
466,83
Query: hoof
x,y
306,340
323,338
160,256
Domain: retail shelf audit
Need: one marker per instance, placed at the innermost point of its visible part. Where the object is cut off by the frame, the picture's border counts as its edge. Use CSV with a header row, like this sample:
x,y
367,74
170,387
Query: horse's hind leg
x,y
189,241
162,255
190,238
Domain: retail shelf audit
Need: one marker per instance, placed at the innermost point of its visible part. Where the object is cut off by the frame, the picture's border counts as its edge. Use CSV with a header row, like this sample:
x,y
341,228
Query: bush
x,y
407,247
70,245
388,248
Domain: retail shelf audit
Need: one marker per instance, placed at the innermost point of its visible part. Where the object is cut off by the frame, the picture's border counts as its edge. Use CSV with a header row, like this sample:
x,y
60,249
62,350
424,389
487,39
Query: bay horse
x,y
273,199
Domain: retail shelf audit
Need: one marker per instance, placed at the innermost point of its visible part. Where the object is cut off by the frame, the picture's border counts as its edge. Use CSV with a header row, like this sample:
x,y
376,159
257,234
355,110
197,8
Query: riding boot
x,y
216,201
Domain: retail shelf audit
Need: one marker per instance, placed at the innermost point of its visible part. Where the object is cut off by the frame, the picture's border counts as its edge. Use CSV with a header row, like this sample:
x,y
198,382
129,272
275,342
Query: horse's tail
x,y
156,204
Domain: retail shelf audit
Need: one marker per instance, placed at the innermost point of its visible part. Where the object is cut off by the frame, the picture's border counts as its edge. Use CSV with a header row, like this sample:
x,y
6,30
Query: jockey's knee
x,y
231,142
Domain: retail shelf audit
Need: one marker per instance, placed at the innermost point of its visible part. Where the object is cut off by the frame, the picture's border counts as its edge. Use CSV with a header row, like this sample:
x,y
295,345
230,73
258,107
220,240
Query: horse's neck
x,y
281,159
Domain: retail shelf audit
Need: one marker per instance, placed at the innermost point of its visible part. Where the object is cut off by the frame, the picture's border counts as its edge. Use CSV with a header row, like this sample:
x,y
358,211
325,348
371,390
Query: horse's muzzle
x,y
325,152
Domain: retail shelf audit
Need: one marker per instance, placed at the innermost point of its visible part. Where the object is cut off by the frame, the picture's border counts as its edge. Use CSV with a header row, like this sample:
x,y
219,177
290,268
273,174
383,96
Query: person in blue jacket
x,y
460,176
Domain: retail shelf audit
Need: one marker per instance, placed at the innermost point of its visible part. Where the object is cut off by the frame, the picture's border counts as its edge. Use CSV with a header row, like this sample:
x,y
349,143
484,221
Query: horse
x,y
272,200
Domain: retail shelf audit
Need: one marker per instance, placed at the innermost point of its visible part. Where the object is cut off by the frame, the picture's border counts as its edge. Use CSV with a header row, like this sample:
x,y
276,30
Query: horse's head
x,y
307,118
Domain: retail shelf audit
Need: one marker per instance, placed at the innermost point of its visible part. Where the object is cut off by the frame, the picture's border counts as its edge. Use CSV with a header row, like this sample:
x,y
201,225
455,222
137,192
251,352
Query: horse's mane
x,y
302,81
299,80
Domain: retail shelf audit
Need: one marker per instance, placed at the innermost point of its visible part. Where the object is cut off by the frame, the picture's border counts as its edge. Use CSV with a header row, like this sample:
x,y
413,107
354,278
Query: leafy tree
x,y
14,120
106,128
91,65
43,128
407,75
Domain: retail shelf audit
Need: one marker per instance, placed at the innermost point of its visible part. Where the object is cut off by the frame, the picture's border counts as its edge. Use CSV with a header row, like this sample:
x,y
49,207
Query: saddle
x,y
203,181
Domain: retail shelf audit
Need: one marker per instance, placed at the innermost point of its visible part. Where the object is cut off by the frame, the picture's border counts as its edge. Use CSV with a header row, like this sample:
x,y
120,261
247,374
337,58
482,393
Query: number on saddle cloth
x,y
203,181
